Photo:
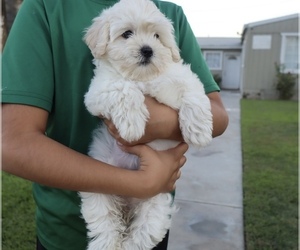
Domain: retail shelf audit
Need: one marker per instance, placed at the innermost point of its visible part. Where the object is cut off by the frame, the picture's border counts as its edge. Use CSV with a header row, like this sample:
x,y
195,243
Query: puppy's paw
x,y
134,128
131,122
196,125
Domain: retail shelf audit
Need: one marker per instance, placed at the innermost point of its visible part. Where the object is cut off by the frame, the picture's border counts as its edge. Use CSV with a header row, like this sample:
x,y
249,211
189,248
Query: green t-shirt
x,y
46,64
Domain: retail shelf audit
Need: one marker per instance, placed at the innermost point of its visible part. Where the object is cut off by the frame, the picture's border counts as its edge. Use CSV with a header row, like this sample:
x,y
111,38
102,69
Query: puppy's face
x,y
135,37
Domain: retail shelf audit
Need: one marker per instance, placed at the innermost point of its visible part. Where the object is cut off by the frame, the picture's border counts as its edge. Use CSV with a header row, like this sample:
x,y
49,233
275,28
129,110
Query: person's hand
x,y
159,170
162,124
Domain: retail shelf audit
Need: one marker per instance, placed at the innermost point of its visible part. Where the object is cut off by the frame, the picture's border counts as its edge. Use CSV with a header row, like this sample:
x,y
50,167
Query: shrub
x,y
285,83
218,79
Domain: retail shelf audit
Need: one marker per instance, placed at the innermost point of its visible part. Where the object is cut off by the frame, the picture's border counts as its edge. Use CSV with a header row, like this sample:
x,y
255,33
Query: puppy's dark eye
x,y
156,36
127,34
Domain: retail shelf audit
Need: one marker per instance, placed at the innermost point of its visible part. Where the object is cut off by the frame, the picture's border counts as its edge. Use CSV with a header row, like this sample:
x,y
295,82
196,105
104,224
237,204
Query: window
x,y
213,59
289,53
261,42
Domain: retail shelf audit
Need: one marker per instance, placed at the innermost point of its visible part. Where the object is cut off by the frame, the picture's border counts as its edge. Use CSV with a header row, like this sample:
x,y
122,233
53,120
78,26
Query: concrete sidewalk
x,y
209,192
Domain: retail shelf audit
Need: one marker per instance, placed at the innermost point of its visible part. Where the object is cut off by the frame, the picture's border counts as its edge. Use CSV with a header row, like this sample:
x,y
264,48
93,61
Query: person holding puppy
x,y
47,69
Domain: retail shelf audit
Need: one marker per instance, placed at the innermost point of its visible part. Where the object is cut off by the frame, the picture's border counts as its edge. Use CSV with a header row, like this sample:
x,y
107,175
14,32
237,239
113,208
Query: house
x,y
223,56
266,43
248,63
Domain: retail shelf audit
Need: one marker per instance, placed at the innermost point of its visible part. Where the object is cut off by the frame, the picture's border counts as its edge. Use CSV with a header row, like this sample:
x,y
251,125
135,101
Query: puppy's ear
x,y
97,36
175,52
170,43
168,38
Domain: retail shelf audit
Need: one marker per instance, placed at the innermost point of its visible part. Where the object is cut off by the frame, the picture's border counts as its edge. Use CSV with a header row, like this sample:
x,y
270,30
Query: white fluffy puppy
x,y
135,55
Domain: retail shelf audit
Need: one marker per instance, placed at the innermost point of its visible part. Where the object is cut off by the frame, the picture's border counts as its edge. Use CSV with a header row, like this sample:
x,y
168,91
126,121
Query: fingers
x,y
115,133
178,174
136,150
180,149
111,127
163,168
113,130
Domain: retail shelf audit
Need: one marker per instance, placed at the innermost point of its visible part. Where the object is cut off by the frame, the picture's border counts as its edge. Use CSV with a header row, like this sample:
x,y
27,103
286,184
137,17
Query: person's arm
x,y
28,153
220,116
164,124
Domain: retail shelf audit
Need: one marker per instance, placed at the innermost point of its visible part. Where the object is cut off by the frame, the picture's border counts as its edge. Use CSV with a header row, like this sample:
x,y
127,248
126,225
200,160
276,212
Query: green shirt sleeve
x,y
27,64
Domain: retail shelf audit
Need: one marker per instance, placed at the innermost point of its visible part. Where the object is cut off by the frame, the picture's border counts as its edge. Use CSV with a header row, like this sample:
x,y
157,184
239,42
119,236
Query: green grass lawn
x,y
270,177
18,226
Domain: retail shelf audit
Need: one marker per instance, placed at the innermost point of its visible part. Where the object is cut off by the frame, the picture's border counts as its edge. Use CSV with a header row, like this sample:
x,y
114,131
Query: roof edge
x,y
267,21
272,20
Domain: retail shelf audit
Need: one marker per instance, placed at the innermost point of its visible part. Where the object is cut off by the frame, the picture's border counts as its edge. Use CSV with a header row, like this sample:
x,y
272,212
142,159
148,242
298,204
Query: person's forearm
x,y
28,153
40,159
164,123
220,119
220,116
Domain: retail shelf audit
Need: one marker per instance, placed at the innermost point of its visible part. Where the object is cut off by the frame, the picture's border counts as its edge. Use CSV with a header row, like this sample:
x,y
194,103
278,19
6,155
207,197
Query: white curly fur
x,y
124,74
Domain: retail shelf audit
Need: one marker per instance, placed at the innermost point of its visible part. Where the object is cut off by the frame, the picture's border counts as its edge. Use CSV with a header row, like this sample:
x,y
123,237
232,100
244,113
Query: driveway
x,y
209,192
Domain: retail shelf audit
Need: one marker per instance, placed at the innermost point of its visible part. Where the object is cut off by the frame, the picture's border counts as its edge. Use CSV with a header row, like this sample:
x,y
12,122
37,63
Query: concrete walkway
x,y
209,192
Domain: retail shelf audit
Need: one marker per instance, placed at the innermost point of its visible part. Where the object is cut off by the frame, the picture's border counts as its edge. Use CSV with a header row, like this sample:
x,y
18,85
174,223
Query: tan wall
x,y
259,74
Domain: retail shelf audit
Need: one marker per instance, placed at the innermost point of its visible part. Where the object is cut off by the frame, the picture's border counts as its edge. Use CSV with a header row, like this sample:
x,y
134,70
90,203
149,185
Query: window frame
x,y
220,67
283,50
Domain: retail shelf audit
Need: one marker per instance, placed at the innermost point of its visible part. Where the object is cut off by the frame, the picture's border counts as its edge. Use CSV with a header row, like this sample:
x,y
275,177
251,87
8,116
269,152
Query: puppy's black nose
x,y
146,51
